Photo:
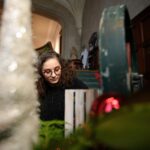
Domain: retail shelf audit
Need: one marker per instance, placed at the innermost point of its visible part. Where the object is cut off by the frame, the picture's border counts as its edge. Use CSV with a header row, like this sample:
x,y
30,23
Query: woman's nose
x,y
53,74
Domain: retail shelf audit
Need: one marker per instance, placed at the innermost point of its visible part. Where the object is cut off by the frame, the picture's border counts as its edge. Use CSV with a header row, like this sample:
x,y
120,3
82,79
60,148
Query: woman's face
x,y
51,70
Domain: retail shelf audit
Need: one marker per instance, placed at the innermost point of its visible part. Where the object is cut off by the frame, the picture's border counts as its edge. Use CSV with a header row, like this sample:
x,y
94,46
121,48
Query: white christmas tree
x,y
18,96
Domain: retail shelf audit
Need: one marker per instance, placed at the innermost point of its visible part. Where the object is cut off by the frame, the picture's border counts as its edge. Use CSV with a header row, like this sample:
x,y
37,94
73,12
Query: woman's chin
x,y
54,82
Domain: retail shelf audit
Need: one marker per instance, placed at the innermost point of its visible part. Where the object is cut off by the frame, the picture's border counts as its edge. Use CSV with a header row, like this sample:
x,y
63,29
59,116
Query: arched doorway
x,y
69,35
45,30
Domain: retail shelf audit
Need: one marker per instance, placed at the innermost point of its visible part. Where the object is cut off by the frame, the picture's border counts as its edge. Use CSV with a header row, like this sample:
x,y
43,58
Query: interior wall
x,y
93,10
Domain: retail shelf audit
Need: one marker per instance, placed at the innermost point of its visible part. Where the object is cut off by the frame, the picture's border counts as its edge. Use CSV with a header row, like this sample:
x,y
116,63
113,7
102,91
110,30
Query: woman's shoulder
x,y
78,84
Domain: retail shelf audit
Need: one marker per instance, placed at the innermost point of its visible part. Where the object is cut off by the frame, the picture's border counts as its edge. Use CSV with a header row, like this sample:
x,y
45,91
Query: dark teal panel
x,y
114,34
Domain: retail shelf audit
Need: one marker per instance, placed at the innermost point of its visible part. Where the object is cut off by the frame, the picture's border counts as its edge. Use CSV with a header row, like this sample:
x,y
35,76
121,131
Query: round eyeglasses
x,y
49,72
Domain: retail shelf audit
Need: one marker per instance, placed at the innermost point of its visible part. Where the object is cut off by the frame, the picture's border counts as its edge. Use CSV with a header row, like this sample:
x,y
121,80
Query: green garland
x,y
51,134
127,128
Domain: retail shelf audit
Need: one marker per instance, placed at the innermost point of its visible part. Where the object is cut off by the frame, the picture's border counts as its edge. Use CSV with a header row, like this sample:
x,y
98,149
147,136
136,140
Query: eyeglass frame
x,y
50,71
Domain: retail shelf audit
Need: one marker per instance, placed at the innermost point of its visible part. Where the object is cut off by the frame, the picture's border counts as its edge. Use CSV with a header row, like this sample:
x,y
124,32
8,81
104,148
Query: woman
x,y
55,77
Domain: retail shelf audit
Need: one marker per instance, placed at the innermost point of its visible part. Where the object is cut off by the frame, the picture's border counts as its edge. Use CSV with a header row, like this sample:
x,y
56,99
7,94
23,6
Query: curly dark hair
x,y
67,73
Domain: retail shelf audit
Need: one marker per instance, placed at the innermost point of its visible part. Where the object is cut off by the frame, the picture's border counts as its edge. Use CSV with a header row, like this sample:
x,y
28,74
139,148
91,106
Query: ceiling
x,y
75,7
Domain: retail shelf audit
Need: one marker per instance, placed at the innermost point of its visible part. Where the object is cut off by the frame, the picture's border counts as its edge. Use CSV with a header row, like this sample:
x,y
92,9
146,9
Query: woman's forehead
x,y
51,63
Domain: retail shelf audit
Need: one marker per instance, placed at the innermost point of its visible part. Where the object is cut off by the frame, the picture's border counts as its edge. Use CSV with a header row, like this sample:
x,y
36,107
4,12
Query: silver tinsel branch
x,y
18,95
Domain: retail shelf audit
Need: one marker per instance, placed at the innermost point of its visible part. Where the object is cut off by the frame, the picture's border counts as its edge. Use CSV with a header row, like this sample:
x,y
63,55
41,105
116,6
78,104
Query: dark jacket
x,y
52,104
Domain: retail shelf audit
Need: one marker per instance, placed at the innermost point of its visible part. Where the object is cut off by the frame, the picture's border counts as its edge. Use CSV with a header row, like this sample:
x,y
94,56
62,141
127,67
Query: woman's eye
x,y
57,69
47,71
